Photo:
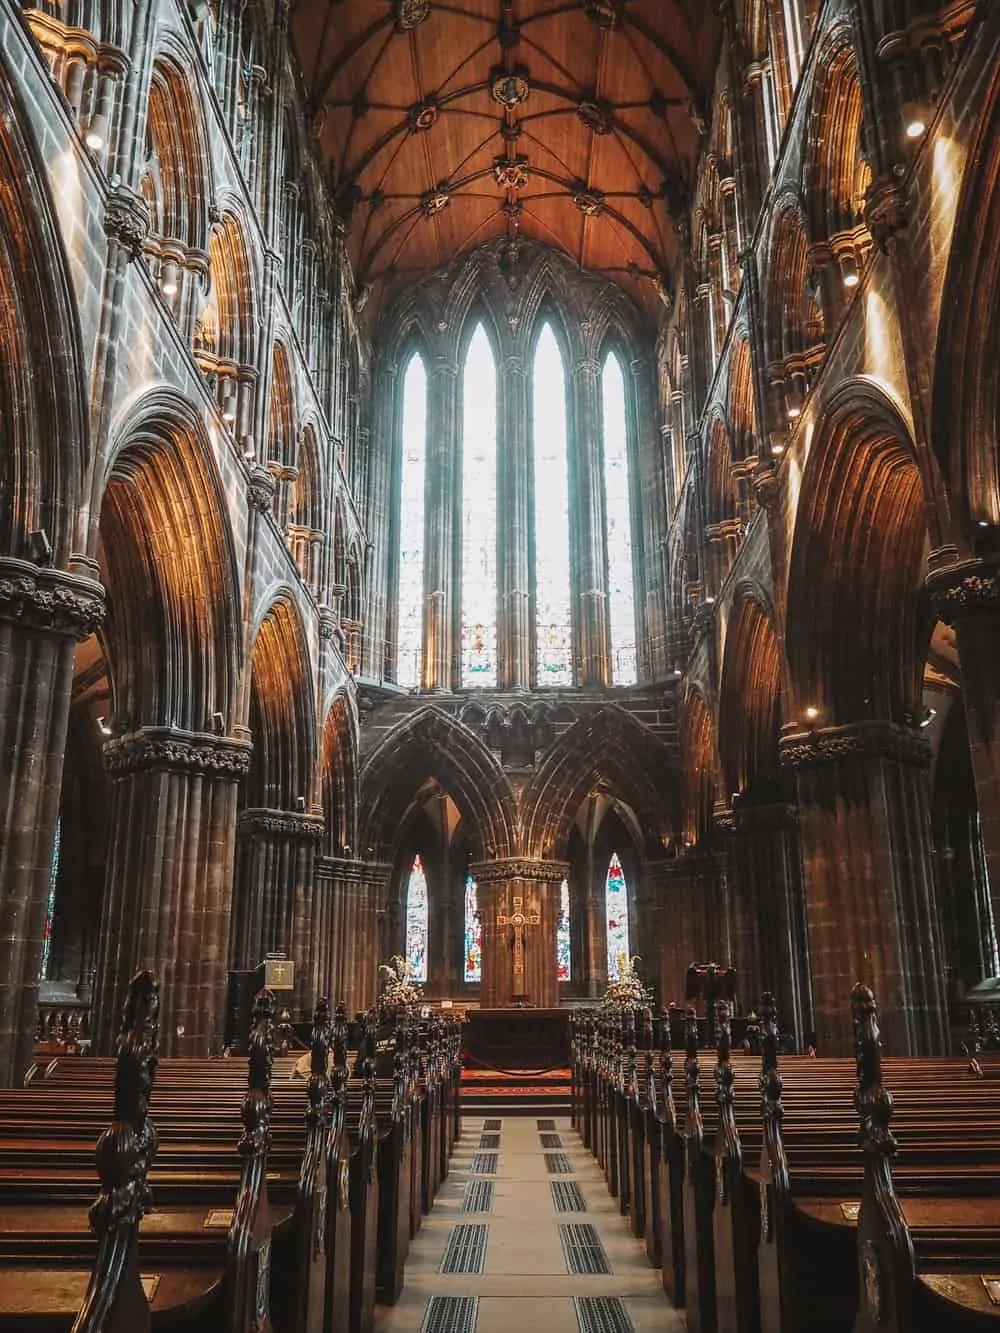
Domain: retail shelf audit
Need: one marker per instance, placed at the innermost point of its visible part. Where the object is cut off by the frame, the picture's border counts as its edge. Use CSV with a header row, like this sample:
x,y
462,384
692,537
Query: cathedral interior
x,y
499,459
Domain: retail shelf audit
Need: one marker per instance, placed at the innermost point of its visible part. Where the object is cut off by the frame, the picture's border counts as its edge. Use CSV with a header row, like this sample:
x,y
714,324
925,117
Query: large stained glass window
x,y
473,933
563,957
50,905
416,921
621,598
553,614
479,513
616,915
409,619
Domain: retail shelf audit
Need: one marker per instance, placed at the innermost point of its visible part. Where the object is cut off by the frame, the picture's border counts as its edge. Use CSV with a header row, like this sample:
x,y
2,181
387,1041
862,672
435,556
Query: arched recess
x,y
226,330
340,779
44,427
699,771
167,559
432,744
855,638
610,751
794,331
966,402
750,703
742,412
176,180
306,507
282,712
722,521
281,432
836,172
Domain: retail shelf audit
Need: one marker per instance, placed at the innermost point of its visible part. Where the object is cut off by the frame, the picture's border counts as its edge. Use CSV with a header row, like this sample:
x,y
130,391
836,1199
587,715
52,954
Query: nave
x,y
523,1246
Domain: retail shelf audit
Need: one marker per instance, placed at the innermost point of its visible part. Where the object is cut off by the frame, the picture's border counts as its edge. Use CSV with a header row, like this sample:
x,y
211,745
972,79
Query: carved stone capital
x,y
339,868
126,219
885,210
855,740
328,623
766,486
50,600
966,588
280,824
169,748
260,489
515,867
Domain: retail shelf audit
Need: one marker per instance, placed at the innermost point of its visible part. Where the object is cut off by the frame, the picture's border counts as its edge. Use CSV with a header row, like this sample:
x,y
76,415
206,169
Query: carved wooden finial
x,y
115,1299
774,1163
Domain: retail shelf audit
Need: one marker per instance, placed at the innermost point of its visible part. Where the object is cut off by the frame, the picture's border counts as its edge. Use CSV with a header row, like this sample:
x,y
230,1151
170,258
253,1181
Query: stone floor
x,y
531,1275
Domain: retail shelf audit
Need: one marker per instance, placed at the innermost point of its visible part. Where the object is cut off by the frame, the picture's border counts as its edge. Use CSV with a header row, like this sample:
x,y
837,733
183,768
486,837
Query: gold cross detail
x,y
518,919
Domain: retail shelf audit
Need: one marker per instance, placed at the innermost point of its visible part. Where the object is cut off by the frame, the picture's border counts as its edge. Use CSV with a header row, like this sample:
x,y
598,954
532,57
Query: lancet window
x,y
479,514
616,916
553,605
417,921
473,933
410,597
618,535
564,965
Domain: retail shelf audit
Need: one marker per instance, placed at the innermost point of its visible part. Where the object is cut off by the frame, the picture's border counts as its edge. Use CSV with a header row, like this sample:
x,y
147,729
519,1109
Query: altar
x,y
516,1039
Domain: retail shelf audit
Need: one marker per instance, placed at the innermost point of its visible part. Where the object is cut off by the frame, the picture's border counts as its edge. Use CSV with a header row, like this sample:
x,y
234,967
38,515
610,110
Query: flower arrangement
x,y
627,992
398,989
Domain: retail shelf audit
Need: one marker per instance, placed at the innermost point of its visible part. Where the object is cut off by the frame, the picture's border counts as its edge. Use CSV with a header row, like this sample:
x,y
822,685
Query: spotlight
x,y
229,409
929,715
812,713
849,274
793,408
218,724
102,726
168,280
39,546
984,522
778,449
914,120
300,804
97,132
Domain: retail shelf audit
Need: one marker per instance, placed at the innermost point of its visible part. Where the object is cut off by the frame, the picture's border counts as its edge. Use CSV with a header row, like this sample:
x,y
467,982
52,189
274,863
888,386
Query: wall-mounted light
x,y
229,408
777,449
793,408
929,715
168,279
97,132
984,522
914,120
102,726
812,713
849,274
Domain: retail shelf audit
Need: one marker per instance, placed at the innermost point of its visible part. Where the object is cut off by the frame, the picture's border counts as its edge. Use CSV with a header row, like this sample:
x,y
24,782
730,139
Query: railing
x,y
63,1024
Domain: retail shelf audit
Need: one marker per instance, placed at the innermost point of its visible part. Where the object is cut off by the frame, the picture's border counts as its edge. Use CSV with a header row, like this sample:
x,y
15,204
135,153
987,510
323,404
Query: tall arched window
x,y
553,609
621,595
473,933
479,513
563,940
50,905
410,603
616,915
416,921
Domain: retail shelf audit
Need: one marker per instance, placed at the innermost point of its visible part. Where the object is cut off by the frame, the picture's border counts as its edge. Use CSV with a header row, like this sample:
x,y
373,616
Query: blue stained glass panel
x,y
473,933
410,600
50,906
563,956
621,593
553,612
616,915
416,921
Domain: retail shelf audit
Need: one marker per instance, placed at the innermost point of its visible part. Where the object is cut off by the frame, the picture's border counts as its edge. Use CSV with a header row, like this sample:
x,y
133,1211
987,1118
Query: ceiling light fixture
x,y
812,713
229,408
168,281
849,274
914,120
97,132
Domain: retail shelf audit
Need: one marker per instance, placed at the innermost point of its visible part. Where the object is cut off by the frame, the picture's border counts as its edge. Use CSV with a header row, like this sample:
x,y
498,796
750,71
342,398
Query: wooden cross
x,y
518,919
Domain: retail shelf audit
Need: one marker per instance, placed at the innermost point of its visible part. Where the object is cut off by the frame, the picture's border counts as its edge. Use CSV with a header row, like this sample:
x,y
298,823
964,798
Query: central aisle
x,y
498,1253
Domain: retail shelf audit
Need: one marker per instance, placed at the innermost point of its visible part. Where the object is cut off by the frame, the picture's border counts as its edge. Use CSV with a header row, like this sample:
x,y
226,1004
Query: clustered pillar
x,y
536,885
168,894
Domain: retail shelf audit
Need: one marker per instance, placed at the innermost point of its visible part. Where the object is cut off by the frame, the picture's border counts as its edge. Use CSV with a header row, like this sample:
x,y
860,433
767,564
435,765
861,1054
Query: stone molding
x,y
885,210
126,220
50,600
779,816
492,872
280,823
966,588
261,488
177,751
856,740
338,867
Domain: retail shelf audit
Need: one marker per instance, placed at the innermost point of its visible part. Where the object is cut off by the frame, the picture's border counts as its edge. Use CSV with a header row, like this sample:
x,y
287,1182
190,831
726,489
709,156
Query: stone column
x,y
967,596
382,572
515,526
368,939
439,531
587,501
537,885
43,612
651,603
684,895
767,913
871,905
274,909
335,916
168,894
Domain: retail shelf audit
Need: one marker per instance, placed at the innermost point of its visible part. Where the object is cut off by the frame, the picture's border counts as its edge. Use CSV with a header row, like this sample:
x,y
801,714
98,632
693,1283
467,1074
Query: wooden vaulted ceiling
x,y
446,123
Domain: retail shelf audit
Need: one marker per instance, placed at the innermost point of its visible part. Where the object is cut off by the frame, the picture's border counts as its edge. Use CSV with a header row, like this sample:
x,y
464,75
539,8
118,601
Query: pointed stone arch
x,y
613,750
282,709
340,777
836,173
433,744
750,696
177,181
700,769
